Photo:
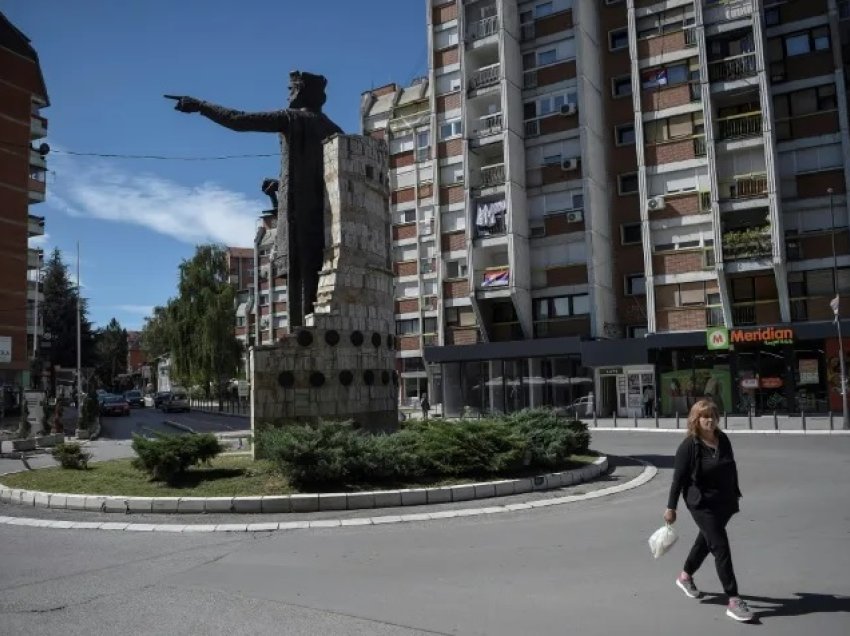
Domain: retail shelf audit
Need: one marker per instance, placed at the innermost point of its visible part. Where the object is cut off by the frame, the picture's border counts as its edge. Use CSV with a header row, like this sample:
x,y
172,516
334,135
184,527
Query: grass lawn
x,y
227,476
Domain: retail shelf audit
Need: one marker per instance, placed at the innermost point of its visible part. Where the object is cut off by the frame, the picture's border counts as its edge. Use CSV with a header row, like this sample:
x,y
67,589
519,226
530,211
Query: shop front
x,y
629,390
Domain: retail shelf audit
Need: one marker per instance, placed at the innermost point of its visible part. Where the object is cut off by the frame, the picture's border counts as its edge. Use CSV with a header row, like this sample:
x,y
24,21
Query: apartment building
x,y
582,190
22,183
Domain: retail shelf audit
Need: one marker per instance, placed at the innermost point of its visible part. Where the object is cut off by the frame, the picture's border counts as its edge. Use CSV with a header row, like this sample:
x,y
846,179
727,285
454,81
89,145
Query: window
x,y
627,183
625,134
456,269
636,285
240,321
743,289
618,39
820,38
429,325
637,331
552,160
543,9
621,86
561,307
405,216
549,56
797,44
407,327
771,16
665,76
264,300
460,317
630,233
451,129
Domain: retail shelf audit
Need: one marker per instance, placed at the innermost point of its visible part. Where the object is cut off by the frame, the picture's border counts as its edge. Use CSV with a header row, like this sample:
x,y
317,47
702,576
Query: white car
x,y
149,400
582,407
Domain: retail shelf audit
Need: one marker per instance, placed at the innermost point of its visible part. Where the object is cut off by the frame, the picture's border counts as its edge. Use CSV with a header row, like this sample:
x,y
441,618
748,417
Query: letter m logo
x,y
717,338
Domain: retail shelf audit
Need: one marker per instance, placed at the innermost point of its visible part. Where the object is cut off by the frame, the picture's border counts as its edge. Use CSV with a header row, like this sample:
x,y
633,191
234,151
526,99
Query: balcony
x,y
495,277
33,290
490,125
744,187
744,315
484,77
38,127
35,259
734,68
36,225
726,10
739,126
747,244
492,175
37,160
699,146
496,227
483,28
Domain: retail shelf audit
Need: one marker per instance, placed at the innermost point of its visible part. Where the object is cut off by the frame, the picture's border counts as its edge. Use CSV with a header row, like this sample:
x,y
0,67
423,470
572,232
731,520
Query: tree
x,y
196,328
59,313
111,348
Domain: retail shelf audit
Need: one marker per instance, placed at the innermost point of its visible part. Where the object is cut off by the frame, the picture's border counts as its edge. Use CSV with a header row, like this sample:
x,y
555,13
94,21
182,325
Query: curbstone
x,y
199,528
42,499
58,501
439,495
167,527
360,500
232,527
250,505
504,488
164,504
522,486
139,504
414,496
218,504
464,492
484,490
325,523
355,522
540,482
304,503
387,498
27,498
5,495
387,519
293,525
114,504
261,527
139,527
333,501
275,504
114,526
193,505
94,503
75,502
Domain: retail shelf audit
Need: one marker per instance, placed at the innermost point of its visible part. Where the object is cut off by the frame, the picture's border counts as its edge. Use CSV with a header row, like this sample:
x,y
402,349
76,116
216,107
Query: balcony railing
x,y
690,37
744,315
490,125
699,146
498,227
747,187
739,126
733,68
696,91
532,128
746,244
714,316
484,28
492,175
485,76
529,79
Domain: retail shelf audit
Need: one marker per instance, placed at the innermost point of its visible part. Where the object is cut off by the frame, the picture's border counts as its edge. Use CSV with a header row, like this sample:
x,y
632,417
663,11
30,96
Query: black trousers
x,y
712,538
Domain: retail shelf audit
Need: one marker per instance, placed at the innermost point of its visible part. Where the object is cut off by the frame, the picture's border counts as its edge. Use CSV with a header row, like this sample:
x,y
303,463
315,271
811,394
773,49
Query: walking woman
x,y
706,475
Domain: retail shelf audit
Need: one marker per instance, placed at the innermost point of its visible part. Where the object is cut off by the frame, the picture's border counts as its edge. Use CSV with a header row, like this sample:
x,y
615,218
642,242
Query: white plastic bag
x,y
662,540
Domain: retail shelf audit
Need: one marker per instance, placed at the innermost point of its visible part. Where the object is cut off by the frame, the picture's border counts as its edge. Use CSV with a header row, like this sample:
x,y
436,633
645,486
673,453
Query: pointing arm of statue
x,y
240,121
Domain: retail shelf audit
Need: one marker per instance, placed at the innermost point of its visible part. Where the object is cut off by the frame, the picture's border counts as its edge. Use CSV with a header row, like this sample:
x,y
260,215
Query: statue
x,y
301,192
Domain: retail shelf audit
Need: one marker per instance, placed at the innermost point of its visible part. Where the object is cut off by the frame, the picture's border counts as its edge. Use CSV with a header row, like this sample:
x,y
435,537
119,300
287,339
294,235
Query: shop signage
x,y
5,349
749,383
771,383
808,371
606,371
771,336
717,338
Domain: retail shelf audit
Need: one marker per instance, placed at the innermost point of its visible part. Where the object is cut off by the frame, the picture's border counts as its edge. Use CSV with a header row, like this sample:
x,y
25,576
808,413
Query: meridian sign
x,y
721,337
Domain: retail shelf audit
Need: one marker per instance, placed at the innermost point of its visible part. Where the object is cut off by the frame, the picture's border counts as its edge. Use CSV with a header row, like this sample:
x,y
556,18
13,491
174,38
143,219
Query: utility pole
x,y
836,306
79,339
35,315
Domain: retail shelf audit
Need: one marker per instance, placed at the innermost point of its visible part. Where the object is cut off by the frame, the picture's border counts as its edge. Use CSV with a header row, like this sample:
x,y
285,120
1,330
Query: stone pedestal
x,y
341,364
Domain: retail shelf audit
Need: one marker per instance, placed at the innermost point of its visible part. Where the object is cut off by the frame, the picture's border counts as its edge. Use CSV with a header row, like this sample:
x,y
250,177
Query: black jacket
x,y
715,478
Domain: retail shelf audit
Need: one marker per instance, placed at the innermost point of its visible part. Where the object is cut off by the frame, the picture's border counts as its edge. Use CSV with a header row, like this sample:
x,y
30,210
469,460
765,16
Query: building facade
x,y
22,183
583,190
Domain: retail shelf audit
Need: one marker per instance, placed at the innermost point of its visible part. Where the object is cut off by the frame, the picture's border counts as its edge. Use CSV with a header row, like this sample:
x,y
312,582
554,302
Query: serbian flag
x,y
496,276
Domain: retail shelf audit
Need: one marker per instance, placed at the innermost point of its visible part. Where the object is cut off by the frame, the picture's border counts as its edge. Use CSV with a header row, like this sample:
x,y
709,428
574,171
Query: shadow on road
x,y
801,604
659,461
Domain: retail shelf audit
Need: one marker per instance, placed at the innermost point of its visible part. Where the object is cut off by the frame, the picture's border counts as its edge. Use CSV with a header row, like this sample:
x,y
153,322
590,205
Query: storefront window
x,y
810,386
516,391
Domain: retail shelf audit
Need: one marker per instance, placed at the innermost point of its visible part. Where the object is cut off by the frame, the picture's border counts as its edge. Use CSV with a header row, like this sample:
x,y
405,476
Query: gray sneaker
x,y
686,584
739,610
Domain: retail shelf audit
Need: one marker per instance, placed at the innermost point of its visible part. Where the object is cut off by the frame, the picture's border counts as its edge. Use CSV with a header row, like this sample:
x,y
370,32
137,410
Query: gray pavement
x,y
581,568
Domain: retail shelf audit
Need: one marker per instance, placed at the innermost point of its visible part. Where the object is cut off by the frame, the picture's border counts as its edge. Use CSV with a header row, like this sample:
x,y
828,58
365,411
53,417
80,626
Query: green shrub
x,y
71,455
24,423
88,412
167,457
551,439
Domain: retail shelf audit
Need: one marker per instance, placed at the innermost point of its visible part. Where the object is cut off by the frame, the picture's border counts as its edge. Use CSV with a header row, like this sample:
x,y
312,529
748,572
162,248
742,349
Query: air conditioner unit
x,y
569,109
655,203
570,164
459,178
574,217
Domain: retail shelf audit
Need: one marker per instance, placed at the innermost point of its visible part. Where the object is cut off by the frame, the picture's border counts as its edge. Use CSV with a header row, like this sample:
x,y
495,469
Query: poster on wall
x,y
679,390
808,371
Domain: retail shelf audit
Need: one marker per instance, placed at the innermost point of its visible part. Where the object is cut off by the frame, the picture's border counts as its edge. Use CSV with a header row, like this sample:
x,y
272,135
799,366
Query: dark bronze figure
x,y
301,194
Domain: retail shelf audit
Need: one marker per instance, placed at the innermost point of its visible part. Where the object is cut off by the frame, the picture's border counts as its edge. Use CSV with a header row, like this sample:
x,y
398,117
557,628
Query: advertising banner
x,y
680,389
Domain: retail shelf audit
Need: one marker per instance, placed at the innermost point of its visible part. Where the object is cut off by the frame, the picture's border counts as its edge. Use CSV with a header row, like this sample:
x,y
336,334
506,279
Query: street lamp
x,y
835,304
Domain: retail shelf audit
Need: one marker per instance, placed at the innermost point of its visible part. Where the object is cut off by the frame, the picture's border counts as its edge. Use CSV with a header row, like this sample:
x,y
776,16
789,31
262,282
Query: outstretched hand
x,y
185,104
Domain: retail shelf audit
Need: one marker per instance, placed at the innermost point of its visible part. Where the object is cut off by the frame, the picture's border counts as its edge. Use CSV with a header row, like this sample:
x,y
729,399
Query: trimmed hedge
x,y
167,457
71,455
338,453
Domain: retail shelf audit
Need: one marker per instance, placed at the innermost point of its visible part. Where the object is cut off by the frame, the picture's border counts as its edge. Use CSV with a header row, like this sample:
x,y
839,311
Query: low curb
x,y
648,474
728,431
179,426
308,502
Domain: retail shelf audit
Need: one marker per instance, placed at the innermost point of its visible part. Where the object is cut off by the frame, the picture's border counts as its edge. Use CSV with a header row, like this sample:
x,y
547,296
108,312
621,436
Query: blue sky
x,y
107,64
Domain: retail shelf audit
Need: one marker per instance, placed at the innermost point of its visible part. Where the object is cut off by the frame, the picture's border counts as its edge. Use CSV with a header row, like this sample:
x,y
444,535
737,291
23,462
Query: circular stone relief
x,y
317,379
346,377
369,378
376,339
356,338
332,337
305,338
286,379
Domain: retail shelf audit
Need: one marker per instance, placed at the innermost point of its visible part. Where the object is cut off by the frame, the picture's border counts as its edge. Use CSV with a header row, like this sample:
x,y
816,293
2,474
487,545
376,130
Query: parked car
x,y
114,405
159,397
134,398
176,401
582,407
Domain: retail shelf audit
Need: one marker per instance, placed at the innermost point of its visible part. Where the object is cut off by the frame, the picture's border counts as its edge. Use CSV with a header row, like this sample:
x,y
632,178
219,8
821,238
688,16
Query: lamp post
x,y
835,304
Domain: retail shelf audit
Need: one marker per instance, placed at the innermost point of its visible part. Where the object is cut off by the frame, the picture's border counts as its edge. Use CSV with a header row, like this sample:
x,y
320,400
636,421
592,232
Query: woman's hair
x,y
702,408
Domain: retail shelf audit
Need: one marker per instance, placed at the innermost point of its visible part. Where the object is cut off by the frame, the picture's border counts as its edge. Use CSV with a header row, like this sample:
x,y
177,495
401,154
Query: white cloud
x,y
190,214
42,241
143,310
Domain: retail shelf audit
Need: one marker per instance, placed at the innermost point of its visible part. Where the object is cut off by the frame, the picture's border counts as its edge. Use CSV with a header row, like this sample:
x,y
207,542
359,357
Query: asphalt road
x,y
149,420
582,568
